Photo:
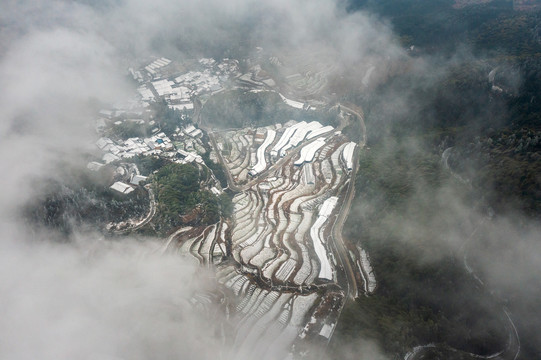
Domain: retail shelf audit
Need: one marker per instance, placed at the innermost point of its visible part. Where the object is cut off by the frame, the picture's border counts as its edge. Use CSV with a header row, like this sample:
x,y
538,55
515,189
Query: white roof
x,y
94,165
188,106
121,187
309,151
261,163
308,174
149,69
190,157
107,113
325,271
136,179
164,87
328,206
188,129
109,158
156,64
326,330
103,142
286,137
302,131
347,153
320,131
292,103
146,94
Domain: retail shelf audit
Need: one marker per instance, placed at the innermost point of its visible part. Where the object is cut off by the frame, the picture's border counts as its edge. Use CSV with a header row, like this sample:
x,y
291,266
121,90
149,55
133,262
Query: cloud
x,y
95,299
51,79
121,299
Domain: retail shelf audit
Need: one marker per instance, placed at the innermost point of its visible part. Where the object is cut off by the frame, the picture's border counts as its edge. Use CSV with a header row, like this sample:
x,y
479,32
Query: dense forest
x,y
241,108
481,86
479,97
84,198
407,205
182,199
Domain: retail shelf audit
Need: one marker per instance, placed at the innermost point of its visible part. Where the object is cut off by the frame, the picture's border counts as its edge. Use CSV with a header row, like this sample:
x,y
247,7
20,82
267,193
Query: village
x,y
159,81
277,255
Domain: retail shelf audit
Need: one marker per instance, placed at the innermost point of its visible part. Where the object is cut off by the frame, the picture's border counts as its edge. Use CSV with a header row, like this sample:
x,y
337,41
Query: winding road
x,y
512,350
146,219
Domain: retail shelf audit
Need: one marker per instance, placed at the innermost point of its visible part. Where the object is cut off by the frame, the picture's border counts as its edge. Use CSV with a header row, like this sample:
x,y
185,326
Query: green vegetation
x,y
405,201
495,132
84,197
407,211
168,119
148,164
507,163
217,169
240,108
494,34
127,130
514,34
435,25
353,130
458,103
183,201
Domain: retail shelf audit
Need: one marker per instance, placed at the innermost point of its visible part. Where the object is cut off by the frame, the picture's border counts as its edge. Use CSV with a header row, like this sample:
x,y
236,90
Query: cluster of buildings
x,y
127,178
178,89
151,70
131,147
157,144
148,146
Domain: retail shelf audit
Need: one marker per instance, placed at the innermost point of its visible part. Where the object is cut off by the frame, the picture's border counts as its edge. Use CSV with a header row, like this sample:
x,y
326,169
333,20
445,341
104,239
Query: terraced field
x,y
275,256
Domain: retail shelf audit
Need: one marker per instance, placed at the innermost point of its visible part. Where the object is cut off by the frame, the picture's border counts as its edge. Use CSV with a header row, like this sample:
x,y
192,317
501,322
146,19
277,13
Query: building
x,y
136,179
104,143
108,158
122,188
308,174
156,65
347,154
309,151
94,166
327,330
192,131
302,131
320,131
285,138
326,269
261,163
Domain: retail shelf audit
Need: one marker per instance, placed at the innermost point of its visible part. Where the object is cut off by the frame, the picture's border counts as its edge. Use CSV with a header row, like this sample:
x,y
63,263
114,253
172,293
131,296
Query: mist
x,y
93,297
96,298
